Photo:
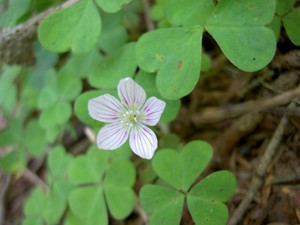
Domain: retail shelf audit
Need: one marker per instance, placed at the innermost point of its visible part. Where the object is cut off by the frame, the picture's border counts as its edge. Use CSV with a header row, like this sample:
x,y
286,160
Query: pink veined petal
x,y
131,94
112,136
152,110
143,141
105,108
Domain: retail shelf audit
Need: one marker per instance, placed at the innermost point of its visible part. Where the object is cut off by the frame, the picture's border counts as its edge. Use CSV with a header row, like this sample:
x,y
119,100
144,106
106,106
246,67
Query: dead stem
x,y
257,179
217,114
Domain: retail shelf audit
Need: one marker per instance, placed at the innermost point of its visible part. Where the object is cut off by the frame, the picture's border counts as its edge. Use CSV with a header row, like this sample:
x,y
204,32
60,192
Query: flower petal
x,y
143,141
152,110
131,94
105,108
112,136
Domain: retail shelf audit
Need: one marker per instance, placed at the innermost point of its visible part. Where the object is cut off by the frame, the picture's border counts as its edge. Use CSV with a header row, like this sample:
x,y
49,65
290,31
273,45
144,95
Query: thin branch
x,y
261,169
34,179
217,114
4,181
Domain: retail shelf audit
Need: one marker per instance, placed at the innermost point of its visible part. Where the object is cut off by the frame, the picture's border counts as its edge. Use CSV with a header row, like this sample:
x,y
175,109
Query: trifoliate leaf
x,y
243,37
76,27
291,24
181,169
206,199
163,205
176,57
113,68
112,6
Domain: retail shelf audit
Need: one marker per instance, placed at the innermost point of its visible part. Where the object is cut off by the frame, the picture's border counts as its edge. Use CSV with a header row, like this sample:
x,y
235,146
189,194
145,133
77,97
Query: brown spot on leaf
x,y
179,65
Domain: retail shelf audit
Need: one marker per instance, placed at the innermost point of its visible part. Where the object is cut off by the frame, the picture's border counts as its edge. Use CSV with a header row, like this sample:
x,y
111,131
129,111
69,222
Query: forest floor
x,y
252,121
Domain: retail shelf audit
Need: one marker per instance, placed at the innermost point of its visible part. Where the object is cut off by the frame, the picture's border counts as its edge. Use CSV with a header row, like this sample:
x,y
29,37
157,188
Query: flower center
x,y
130,117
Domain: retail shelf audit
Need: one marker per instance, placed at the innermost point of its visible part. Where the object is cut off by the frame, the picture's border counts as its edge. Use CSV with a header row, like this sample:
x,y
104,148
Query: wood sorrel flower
x,y
128,119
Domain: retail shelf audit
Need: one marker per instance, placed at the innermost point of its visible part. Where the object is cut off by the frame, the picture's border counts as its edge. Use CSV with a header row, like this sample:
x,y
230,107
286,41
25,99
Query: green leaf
x,y
12,134
114,34
181,169
176,57
8,98
54,206
112,6
35,138
47,97
291,23
81,107
76,27
89,168
275,25
83,64
169,140
32,220
118,188
14,161
58,161
8,90
88,203
283,6
58,177
188,12
243,37
205,63
16,9
57,114
34,204
147,81
69,85
205,200
113,68
49,94
163,205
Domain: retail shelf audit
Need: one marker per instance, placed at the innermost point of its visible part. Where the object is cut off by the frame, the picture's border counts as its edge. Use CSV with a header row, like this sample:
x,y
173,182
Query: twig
x,y
4,181
216,114
16,43
257,179
33,178
149,22
233,134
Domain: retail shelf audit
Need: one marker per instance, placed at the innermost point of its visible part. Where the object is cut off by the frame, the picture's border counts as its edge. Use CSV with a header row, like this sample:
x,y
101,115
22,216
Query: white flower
x,y
128,119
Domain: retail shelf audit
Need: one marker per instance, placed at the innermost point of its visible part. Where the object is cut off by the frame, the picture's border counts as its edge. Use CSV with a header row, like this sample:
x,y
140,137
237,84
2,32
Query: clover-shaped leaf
x,y
114,67
68,84
283,6
54,206
291,24
181,169
88,203
239,29
112,6
178,67
147,81
114,34
206,199
102,180
81,109
35,138
57,114
58,162
33,208
188,12
89,168
118,184
76,27
162,204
